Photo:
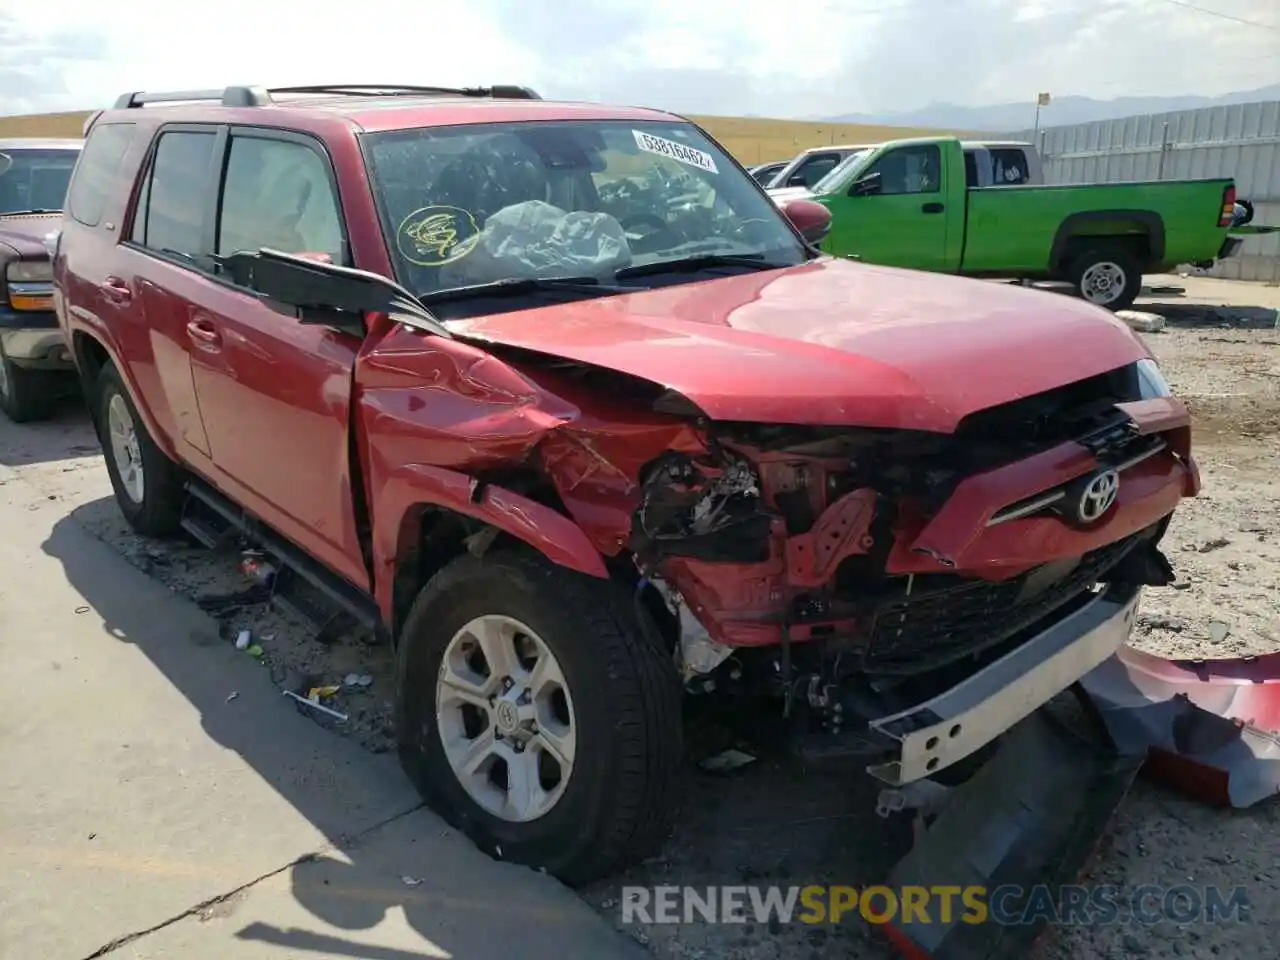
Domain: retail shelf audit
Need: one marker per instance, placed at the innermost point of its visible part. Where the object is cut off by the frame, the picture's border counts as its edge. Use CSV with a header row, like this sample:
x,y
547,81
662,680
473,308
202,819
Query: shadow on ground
x,y
768,823
65,434
459,900
1210,316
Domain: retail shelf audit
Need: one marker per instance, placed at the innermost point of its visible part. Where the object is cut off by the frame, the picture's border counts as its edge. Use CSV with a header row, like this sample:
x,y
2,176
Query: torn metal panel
x,y
1210,728
1031,816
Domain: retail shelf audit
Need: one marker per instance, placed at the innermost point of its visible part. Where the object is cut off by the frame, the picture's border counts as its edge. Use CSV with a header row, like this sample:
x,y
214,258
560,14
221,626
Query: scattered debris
x,y
232,695
726,761
1155,621
1218,631
254,651
254,564
411,881
357,680
244,640
1142,322
82,609
316,705
1217,543
93,836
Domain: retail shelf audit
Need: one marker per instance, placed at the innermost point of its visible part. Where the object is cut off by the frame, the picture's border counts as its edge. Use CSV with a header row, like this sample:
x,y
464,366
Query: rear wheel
x,y
147,484
1109,276
533,714
25,395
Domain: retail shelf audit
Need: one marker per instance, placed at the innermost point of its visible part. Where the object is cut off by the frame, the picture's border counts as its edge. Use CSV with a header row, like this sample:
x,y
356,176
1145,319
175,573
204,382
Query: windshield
x,y
34,179
463,206
832,180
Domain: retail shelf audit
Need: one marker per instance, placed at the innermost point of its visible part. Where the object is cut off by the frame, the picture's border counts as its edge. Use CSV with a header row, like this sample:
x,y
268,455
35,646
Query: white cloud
x,y
710,56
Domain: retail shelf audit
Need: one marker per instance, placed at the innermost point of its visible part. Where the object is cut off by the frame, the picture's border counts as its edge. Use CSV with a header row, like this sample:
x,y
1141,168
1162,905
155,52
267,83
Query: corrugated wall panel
x,y
1236,140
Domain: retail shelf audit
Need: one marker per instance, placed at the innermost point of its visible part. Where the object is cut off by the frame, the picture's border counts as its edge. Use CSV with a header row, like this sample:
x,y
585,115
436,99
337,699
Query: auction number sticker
x,y
676,151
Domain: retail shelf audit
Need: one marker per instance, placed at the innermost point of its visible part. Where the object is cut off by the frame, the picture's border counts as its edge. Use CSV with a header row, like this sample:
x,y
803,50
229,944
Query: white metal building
x,y
1240,141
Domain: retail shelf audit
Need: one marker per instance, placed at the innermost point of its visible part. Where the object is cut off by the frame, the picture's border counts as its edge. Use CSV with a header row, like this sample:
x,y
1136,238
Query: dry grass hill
x,y
751,139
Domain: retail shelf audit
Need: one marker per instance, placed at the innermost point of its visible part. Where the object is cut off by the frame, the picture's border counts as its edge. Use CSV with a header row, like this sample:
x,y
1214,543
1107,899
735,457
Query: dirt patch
x,y
772,822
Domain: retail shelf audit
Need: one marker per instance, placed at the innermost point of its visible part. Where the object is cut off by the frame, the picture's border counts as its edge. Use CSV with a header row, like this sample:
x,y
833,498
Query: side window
x,y
277,193
170,216
96,170
910,170
813,169
1009,166
970,169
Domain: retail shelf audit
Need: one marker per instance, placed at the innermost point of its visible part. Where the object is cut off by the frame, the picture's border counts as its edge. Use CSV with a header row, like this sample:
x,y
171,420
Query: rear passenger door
x,y
274,394
165,263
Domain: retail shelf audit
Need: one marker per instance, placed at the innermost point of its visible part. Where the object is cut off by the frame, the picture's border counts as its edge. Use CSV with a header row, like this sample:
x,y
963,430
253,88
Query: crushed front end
x,y
910,596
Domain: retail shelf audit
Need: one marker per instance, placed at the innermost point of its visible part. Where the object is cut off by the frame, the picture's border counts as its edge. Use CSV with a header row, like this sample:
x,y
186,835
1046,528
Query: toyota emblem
x,y
1097,496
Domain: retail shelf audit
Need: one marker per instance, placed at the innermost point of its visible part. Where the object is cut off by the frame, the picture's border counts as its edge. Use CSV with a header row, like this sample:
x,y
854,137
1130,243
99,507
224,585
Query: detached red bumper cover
x,y
1210,728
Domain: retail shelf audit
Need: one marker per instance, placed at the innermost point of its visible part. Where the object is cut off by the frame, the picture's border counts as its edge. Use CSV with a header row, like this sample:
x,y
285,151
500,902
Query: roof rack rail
x,y
243,96
497,91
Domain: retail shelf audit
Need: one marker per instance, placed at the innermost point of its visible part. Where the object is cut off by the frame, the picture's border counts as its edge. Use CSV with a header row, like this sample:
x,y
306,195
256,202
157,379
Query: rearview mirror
x,y
325,294
813,220
865,186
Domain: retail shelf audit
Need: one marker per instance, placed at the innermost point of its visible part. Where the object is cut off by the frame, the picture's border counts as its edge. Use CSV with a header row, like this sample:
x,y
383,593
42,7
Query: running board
x,y
301,586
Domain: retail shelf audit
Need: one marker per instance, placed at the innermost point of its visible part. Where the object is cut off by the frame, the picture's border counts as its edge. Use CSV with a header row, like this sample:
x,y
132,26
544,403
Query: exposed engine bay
x,y
797,560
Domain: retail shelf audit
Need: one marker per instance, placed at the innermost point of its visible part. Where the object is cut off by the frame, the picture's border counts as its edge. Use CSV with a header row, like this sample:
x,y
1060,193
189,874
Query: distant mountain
x,y
1008,117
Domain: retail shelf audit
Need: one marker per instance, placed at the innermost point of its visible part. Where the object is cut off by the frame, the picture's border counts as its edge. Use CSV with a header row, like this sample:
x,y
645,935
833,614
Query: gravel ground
x,y
773,823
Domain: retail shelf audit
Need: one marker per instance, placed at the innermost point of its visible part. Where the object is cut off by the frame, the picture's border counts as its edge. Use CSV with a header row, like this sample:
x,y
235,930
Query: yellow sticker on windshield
x,y
434,236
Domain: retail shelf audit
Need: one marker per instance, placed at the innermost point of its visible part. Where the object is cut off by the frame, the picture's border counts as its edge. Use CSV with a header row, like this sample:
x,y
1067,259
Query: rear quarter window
x,y
96,171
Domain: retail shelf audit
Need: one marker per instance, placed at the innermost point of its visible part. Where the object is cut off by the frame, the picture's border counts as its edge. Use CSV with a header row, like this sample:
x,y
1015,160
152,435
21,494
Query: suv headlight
x,y
30,271
1151,382
29,285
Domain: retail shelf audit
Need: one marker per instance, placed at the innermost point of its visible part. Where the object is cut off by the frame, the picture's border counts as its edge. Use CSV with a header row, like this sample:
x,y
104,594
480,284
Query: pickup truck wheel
x,y
1111,277
533,714
25,395
147,484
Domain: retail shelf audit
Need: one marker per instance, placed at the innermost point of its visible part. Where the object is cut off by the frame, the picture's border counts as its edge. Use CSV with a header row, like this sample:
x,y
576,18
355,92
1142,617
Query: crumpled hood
x,y
24,236
832,342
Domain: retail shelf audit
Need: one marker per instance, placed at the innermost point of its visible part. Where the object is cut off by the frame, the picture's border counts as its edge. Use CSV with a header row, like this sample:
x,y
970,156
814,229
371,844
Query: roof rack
x,y
242,96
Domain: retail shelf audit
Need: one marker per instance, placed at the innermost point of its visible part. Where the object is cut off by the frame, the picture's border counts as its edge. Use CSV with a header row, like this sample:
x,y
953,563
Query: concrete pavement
x,y
146,813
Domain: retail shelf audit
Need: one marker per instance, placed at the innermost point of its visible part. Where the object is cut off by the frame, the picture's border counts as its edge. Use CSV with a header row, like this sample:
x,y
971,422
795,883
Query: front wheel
x,y
533,714
147,484
1110,277
25,395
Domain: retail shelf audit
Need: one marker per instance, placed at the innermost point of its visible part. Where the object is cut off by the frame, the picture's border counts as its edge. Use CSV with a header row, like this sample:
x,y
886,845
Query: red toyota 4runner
x,y
553,397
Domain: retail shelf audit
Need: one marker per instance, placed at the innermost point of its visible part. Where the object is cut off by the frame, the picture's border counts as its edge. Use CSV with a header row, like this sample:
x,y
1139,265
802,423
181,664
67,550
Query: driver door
x,y
274,394
904,223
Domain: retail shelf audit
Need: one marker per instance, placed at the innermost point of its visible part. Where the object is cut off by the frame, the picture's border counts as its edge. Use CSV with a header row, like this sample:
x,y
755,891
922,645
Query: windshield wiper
x,y
26,213
515,286
753,261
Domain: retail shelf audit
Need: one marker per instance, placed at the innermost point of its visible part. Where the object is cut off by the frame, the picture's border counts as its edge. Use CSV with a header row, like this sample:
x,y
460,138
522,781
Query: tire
x,y
1108,276
152,507
618,801
25,395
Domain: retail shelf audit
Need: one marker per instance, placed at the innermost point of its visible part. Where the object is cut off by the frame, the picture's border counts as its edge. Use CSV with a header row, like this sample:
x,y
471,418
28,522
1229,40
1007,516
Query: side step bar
x,y
301,585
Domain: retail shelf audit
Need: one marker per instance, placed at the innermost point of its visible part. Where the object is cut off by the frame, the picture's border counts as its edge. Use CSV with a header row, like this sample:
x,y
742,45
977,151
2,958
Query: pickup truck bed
x,y
907,204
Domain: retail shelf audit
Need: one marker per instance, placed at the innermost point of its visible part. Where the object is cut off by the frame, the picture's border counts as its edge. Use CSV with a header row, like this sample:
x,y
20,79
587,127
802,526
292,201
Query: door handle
x,y
116,290
204,333
932,208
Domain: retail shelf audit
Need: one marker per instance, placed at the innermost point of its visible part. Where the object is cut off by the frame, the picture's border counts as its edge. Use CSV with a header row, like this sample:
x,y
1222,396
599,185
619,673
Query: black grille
x,y
930,629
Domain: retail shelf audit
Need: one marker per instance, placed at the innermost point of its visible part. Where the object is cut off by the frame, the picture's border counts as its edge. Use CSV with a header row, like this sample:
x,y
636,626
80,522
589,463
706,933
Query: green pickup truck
x,y
906,203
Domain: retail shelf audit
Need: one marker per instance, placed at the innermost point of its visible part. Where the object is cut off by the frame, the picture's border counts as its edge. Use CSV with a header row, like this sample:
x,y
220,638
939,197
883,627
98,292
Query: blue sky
x,y
813,58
